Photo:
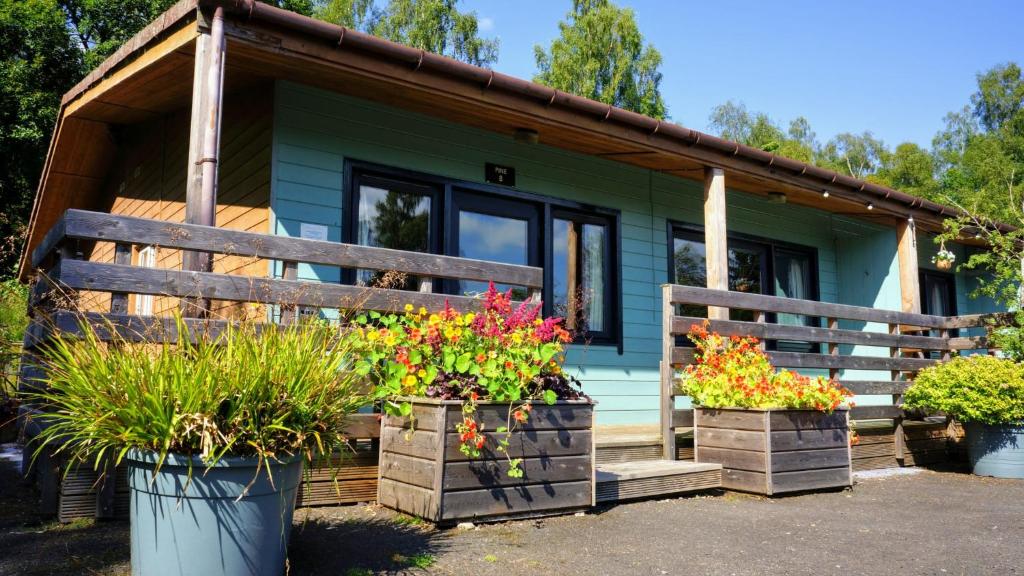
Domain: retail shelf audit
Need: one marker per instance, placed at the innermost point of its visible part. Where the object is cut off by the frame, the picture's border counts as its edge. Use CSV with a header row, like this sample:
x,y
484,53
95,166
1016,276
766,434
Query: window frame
x,y
444,215
695,232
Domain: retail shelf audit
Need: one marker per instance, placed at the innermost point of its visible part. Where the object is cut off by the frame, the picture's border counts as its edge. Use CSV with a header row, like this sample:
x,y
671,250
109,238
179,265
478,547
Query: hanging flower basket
x,y
944,259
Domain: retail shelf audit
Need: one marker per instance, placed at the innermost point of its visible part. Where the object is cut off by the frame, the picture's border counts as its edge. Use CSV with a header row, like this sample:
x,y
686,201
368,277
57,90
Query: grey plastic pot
x,y
207,529
995,450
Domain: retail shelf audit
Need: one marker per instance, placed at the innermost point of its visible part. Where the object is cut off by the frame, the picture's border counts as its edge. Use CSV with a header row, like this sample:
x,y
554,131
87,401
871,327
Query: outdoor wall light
x,y
526,136
824,194
870,206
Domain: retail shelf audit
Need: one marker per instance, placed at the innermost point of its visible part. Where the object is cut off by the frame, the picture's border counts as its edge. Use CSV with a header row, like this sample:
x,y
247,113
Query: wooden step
x,y
652,478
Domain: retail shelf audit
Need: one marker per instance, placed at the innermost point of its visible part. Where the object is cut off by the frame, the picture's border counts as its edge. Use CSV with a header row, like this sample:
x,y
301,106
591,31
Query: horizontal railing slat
x,y
681,325
85,275
745,301
875,412
868,387
682,355
84,225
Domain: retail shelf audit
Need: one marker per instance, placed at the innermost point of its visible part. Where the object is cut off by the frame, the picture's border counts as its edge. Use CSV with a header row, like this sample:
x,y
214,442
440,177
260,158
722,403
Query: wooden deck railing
x,y
910,342
64,273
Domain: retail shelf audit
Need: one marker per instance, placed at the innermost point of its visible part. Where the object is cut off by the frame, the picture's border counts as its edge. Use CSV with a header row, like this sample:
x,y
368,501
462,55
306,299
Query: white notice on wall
x,y
313,231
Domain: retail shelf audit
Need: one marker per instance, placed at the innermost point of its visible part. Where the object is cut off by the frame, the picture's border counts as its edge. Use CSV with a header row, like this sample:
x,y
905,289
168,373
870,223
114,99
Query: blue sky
x,y
892,67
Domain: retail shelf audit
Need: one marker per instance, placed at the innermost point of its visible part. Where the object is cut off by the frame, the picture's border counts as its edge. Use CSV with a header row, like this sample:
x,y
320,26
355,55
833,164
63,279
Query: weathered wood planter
x,y
423,473
775,451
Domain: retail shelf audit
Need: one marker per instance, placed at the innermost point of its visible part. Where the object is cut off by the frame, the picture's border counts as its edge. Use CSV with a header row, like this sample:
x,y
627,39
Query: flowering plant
x,y
504,353
943,255
735,373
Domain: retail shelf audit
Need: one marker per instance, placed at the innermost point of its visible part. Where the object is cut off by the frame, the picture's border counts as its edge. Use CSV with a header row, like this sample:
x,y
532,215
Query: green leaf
x,y
463,363
405,408
550,397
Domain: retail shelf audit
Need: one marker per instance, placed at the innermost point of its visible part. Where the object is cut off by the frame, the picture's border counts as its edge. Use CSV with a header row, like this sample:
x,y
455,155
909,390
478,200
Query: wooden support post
x,y
107,481
833,348
119,300
910,291
897,399
715,241
668,393
289,312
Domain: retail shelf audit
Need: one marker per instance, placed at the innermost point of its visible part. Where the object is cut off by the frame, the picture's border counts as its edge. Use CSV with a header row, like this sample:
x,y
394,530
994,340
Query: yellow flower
x,y
517,338
468,318
423,311
389,340
408,307
372,335
410,380
537,322
421,373
434,319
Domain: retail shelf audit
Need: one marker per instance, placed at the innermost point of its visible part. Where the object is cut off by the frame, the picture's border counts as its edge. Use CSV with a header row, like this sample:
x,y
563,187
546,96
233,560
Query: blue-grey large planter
x,y
995,450
206,528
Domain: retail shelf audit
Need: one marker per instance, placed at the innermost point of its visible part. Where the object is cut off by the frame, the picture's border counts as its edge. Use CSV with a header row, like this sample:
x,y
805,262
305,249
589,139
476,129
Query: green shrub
x,y
971,388
268,393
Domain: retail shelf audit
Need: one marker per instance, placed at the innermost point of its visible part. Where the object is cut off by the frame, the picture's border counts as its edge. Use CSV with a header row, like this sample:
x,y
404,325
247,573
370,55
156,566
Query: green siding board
x,y
316,131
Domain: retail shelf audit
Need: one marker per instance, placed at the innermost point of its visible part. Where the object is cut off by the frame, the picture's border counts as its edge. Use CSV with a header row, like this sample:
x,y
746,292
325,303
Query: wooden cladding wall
x,y
149,177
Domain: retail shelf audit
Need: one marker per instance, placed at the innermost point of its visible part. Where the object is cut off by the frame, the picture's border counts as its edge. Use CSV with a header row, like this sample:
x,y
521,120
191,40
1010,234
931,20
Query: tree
x,y
40,61
433,25
46,47
733,122
909,168
856,155
600,54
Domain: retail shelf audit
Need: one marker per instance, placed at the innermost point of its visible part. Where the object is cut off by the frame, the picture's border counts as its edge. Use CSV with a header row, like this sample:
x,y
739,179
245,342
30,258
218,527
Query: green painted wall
x,y
315,131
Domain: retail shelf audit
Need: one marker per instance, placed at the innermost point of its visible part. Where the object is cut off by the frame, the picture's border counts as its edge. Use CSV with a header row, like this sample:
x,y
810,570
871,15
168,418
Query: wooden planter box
x,y
423,473
775,451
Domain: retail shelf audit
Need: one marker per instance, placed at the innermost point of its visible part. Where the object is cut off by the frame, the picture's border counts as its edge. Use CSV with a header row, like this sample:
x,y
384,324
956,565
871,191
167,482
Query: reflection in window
x,y
390,218
579,273
793,279
493,238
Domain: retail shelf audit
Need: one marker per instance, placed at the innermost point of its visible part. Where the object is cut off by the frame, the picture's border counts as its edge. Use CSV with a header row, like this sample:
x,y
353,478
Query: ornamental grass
x,y
252,389
736,373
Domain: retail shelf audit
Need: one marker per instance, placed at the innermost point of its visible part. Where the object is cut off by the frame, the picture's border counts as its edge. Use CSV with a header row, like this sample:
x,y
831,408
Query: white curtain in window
x,y
593,275
791,282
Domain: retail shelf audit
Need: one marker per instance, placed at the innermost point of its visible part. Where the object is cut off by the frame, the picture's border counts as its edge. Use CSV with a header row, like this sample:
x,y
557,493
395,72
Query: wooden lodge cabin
x,y
245,117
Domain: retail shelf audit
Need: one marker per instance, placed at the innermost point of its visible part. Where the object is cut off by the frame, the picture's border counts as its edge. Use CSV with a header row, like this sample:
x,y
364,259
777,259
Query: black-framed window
x,y
582,259
576,244
757,266
392,213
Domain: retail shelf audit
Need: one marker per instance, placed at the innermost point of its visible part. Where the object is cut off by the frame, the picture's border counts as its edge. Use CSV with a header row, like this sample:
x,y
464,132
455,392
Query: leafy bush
x,y
502,354
249,391
13,306
735,373
976,388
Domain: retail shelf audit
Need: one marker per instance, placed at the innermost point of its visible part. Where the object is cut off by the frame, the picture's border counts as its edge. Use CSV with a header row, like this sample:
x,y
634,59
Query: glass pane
x,y
579,274
493,238
560,231
690,264
392,219
793,280
744,276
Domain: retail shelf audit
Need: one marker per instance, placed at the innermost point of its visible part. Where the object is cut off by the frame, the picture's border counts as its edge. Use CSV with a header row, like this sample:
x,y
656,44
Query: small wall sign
x,y
312,231
498,174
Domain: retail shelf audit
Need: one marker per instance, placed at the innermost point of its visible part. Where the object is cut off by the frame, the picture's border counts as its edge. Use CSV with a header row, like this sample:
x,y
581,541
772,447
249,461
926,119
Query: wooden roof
x,y
152,75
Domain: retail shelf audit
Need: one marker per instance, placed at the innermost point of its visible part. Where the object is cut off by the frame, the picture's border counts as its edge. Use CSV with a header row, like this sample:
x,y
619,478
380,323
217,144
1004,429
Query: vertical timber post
x,y
715,241
668,398
910,300
204,143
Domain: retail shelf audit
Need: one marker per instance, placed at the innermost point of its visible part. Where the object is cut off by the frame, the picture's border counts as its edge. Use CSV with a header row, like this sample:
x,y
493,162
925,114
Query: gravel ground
x,y
925,523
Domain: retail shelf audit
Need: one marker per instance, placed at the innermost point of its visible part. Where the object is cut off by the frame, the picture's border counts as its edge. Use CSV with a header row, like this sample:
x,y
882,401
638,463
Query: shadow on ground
x,y
358,541
31,544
